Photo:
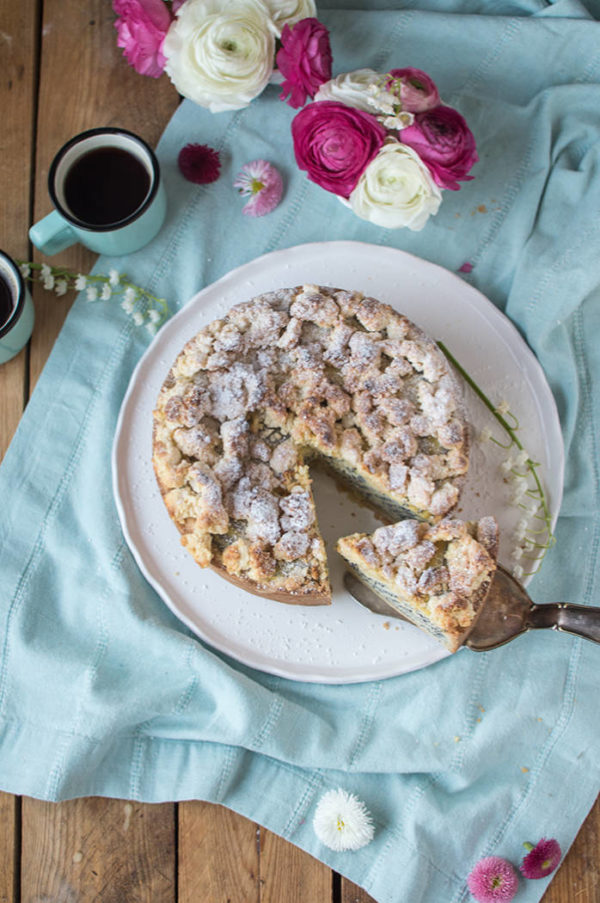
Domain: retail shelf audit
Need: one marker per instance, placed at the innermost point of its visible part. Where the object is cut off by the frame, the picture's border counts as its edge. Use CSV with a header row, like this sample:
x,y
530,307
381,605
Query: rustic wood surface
x,y
61,73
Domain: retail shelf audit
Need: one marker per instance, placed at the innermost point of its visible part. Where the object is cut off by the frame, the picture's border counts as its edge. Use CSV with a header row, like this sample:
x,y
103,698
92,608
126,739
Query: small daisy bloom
x,y
493,880
80,282
113,277
138,318
129,295
48,282
262,183
342,821
199,163
151,327
92,293
106,292
45,271
542,859
154,316
60,287
25,270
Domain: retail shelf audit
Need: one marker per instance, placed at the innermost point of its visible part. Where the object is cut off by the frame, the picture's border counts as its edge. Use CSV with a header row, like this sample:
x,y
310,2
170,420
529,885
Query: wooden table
x,y
62,73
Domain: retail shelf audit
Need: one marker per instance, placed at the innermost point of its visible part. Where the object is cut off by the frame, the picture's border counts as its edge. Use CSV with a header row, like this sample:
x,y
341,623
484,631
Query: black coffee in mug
x,y
6,301
106,185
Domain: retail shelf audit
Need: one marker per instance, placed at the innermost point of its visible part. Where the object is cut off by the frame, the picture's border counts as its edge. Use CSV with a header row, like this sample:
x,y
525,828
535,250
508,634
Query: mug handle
x,y
52,234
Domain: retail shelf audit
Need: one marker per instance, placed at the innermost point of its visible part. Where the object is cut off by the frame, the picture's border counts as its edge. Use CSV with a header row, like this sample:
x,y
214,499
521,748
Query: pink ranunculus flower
x,y
141,28
304,60
445,143
335,143
415,89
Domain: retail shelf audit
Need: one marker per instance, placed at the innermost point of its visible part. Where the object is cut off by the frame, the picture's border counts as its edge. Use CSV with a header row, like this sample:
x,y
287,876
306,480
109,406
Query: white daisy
x,y
342,821
80,282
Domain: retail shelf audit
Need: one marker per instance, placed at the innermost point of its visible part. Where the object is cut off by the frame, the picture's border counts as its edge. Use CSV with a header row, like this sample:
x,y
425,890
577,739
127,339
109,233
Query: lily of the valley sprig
x,y
144,308
533,533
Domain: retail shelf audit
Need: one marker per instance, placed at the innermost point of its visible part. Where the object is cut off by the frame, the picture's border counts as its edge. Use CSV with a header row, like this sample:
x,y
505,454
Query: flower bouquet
x,y
221,54
385,144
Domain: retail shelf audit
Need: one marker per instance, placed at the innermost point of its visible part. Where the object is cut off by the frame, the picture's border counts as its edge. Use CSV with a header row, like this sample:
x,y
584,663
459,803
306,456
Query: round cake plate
x,y
343,642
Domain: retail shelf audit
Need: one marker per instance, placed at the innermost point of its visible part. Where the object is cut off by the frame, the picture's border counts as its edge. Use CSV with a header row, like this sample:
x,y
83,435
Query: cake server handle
x,y
581,620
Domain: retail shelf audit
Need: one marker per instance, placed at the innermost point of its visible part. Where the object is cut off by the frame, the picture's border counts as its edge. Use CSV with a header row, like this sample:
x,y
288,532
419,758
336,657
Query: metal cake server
x,y
507,612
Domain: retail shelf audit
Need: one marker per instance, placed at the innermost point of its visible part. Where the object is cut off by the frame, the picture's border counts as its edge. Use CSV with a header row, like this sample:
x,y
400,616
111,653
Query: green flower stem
x,y
118,283
538,493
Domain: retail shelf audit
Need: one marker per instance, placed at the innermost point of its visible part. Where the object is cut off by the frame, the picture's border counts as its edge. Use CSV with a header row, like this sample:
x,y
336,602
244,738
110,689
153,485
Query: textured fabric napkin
x,y
103,691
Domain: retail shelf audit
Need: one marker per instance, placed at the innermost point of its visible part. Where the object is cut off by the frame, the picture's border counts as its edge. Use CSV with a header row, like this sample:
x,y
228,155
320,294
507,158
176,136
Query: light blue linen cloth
x,y
103,691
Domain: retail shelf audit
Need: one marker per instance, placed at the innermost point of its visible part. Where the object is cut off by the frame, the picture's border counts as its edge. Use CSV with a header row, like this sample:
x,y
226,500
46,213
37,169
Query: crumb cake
x,y
290,375
436,576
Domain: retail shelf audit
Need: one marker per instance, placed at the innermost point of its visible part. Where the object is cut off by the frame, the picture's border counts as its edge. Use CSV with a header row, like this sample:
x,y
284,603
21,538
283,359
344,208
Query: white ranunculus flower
x,y
288,12
220,52
351,89
396,189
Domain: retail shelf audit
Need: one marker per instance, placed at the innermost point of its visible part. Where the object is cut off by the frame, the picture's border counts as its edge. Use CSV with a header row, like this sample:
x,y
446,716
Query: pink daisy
x,y
262,183
541,859
493,880
199,163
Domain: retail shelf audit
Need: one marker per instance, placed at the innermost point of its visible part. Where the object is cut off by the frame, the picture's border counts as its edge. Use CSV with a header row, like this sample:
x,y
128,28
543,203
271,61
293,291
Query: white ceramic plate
x,y
341,643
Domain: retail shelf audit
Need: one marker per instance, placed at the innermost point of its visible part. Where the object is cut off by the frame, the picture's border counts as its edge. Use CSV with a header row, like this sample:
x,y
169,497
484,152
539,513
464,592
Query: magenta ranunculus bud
x,y
304,60
416,90
141,29
445,143
334,144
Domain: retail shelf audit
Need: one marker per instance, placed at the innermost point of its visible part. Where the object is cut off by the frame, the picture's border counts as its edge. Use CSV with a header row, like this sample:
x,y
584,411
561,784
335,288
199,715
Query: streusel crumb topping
x,y
309,370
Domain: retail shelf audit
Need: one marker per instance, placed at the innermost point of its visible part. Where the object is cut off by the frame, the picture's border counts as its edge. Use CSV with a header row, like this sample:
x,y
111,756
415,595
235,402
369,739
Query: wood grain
x,y
18,29
9,847
18,26
578,878
95,849
352,893
218,855
289,874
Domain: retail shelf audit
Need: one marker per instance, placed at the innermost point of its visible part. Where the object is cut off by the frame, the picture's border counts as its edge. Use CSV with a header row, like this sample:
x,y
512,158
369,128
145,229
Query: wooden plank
x,y
288,873
90,849
578,878
84,83
17,84
18,52
218,859
9,847
352,893
95,849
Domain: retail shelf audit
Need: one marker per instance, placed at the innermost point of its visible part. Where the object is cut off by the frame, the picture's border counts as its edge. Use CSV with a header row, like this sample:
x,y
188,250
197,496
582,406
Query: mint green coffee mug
x,y
16,309
107,192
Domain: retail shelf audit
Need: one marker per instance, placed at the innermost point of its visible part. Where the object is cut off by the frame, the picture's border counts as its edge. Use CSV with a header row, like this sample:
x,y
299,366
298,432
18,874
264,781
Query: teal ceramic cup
x,y
16,309
107,192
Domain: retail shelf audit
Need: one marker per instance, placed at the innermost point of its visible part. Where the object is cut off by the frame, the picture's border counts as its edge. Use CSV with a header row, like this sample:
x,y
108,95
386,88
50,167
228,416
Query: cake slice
x,y
435,576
